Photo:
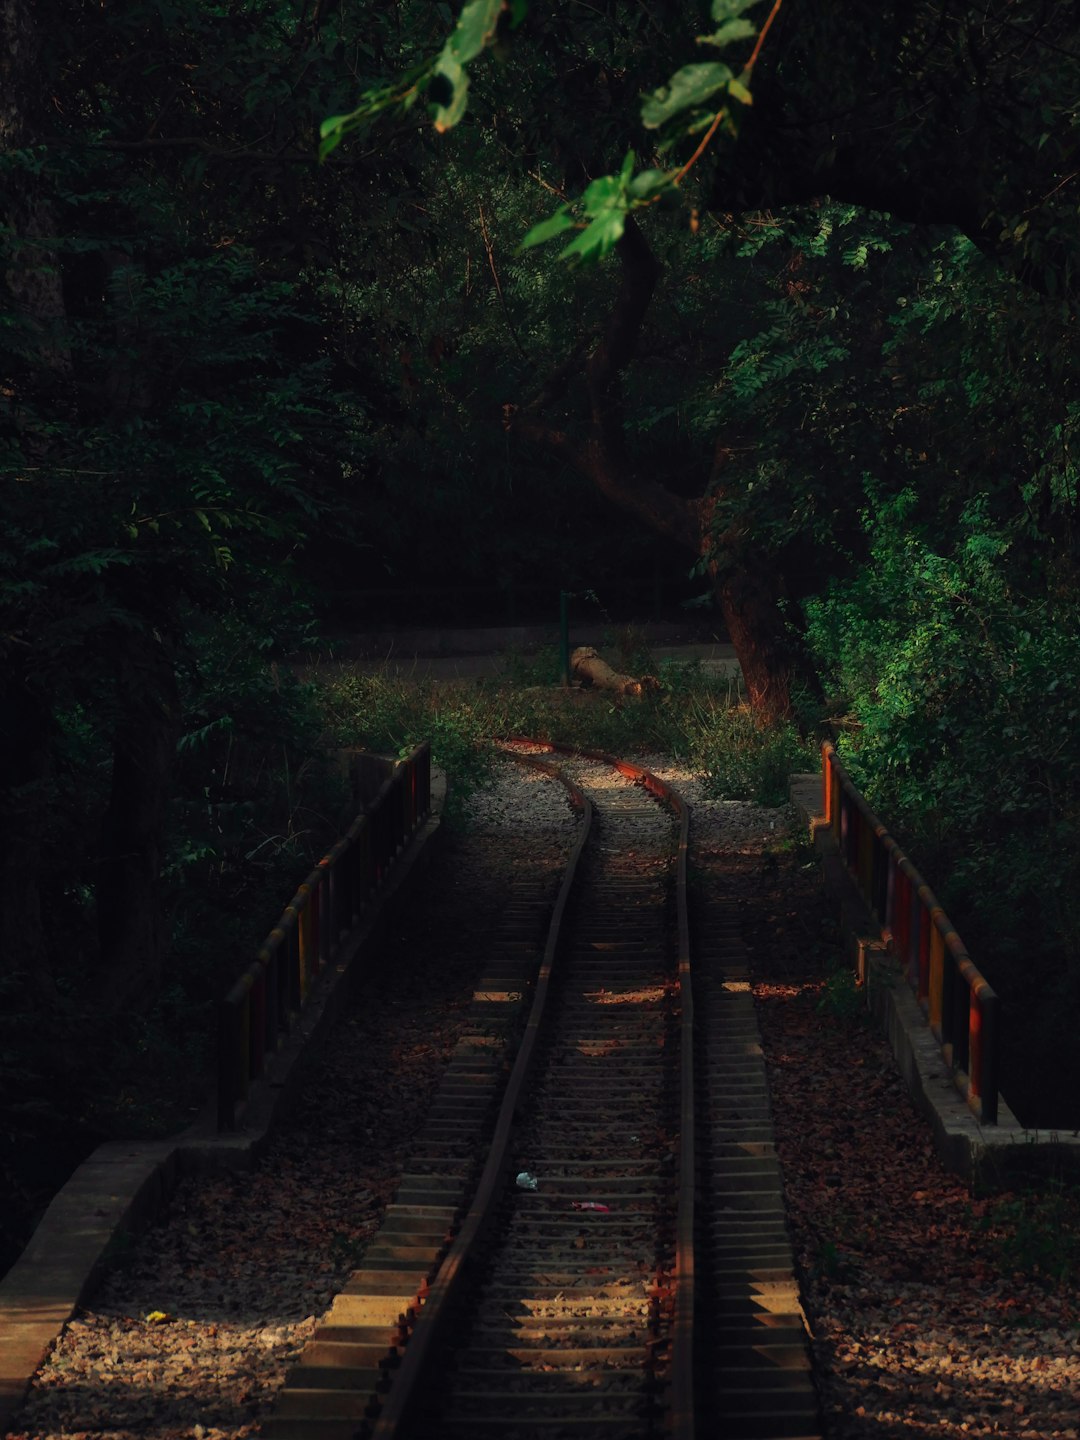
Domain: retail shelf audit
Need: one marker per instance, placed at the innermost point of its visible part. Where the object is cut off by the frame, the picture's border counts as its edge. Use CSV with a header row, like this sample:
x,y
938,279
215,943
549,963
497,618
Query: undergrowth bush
x,y
841,996
957,674
695,717
740,759
255,802
391,716
1037,1232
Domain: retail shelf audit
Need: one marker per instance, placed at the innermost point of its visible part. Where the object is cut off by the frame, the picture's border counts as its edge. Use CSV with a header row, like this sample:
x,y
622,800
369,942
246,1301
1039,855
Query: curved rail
x,y
432,1317
682,1364
431,1320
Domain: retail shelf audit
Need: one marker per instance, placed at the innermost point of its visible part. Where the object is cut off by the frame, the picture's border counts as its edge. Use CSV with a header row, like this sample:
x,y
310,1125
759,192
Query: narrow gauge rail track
x,y
552,1313
491,1308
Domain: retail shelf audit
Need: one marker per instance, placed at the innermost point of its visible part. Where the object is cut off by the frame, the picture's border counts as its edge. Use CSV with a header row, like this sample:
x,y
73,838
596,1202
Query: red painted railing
x,y
959,1003
262,1006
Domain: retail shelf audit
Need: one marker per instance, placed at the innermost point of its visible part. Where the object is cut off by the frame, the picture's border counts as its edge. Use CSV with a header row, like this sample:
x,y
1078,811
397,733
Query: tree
x,y
170,422
38,330
940,113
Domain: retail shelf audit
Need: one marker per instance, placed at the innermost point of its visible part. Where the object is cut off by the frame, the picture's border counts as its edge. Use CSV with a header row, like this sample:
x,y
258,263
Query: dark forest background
x,y
824,390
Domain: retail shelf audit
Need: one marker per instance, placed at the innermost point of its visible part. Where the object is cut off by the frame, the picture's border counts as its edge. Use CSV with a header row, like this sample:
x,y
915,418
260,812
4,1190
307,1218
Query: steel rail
x,y
432,1315
681,1417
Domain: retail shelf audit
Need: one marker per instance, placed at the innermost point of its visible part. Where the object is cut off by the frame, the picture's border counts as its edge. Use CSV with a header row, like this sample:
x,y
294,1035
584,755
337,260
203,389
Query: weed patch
x,y
695,717
841,996
1037,1233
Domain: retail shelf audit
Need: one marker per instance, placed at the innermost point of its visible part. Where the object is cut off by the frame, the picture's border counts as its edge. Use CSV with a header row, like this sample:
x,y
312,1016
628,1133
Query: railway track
x,y
536,1274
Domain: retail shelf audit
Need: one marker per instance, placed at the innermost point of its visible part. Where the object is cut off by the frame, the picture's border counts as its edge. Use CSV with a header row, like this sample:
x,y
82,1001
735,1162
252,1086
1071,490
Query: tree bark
x,y
748,601
745,589
587,666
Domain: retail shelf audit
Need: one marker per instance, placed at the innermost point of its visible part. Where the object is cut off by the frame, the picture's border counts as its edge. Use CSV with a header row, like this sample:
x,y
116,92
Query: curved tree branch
x,y
602,456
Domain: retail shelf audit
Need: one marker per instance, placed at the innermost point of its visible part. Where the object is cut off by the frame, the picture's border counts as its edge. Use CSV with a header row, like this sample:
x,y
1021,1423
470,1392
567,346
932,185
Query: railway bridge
x,y
530,1166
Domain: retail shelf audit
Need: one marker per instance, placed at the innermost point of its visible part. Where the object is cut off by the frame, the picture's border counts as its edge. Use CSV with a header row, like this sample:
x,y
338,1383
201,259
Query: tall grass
x,y
695,717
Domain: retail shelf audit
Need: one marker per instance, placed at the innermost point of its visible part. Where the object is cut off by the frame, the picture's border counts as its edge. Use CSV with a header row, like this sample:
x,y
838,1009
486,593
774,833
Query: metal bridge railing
x,y
260,1009
960,1004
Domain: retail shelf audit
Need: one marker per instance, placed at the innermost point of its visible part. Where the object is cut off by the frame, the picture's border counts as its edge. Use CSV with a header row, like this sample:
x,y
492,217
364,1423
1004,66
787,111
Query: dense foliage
x,y
867,395
826,374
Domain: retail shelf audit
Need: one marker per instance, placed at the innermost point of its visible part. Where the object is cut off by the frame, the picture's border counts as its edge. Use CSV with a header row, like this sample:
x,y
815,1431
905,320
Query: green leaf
x,y
330,144
449,104
604,192
628,167
740,92
728,33
332,131
547,229
725,9
688,87
597,239
650,182
475,29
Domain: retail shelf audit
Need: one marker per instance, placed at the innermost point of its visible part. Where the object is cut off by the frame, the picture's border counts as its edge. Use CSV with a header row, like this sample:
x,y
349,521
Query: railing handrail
x,y
896,892
258,1009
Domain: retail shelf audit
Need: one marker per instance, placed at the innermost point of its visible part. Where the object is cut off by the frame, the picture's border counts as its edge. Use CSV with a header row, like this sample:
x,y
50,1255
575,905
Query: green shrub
x,y
960,693
694,717
391,716
740,759
841,997
1037,1233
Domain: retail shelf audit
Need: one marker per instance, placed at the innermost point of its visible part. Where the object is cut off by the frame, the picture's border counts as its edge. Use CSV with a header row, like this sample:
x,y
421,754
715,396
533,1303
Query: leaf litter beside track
x,y
237,1272
920,1325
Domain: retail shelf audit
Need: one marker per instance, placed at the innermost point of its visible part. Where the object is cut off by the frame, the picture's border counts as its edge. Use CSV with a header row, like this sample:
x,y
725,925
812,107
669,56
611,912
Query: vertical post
x,y
826,787
924,951
269,959
304,940
988,1005
936,989
257,1038
865,861
564,639
292,952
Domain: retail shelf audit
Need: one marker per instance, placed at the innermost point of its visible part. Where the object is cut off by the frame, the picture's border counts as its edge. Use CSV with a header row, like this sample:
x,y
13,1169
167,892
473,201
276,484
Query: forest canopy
x,y
296,291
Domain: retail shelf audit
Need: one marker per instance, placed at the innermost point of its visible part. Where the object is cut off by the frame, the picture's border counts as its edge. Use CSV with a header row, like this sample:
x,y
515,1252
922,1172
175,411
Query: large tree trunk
x,y
131,926
755,625
746,592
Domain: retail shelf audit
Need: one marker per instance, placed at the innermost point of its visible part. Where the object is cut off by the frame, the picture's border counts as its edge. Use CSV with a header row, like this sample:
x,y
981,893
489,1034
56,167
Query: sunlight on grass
x,y
696,719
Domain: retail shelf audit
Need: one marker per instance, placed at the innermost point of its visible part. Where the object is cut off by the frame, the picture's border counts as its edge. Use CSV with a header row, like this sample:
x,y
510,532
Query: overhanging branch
x,y
602,455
